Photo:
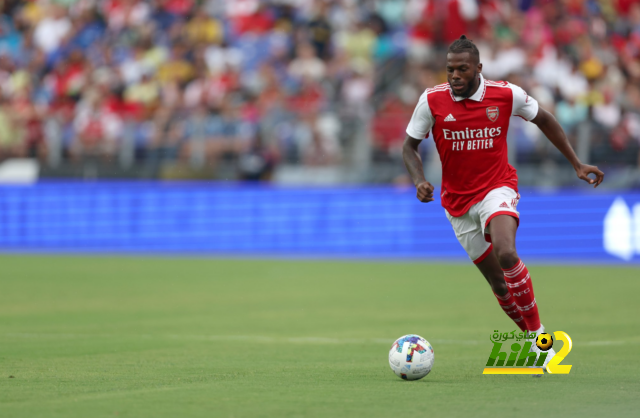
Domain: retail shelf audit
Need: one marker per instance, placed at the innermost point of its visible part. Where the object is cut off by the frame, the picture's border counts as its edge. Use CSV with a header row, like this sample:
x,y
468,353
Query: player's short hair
x,y
463,44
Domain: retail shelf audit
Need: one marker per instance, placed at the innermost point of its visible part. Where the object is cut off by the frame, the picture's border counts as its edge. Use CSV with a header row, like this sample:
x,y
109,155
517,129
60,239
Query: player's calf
x,y
509,306
490,269
519,283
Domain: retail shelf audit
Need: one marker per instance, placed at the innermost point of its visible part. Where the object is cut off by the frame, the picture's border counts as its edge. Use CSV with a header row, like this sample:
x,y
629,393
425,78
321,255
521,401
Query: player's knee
x,y
507,256
499,287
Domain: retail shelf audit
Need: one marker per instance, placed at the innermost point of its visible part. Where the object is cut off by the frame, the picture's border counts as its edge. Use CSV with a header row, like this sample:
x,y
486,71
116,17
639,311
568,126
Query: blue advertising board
x,y
244,219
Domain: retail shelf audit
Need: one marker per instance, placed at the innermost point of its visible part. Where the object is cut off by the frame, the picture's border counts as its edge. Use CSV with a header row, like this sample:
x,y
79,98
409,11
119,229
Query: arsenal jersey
x,y
471,138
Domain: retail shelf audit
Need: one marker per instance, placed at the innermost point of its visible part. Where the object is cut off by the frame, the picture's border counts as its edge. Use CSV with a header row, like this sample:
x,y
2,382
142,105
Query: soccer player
x,y
468,118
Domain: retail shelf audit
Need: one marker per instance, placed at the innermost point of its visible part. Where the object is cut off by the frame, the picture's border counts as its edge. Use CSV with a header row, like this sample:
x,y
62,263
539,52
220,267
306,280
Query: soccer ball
x,y
411,357
544,341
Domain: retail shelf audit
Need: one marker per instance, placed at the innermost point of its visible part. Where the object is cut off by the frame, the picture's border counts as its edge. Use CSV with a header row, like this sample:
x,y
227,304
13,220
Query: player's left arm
x,y
554,132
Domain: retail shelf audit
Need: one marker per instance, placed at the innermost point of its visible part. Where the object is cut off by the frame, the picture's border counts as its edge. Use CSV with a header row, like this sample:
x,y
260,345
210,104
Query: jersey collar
x,y
477,96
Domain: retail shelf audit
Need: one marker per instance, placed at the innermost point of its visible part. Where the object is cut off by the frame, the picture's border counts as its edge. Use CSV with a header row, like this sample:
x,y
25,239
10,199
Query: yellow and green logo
x,y
523,361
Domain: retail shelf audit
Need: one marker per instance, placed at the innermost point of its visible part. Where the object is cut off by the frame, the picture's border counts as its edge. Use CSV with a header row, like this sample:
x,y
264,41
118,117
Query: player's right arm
x,y
421,123
413,162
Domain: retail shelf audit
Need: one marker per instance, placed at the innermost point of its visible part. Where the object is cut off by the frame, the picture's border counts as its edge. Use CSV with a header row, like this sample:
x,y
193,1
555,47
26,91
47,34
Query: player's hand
x,y
583,171
425,192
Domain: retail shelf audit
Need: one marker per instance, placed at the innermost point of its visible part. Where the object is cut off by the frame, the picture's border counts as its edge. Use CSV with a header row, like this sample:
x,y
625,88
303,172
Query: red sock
x,y
508,304
519,284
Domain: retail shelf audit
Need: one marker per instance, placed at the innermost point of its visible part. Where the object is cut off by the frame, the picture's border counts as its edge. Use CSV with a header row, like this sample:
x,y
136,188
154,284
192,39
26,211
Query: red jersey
x,y
471,138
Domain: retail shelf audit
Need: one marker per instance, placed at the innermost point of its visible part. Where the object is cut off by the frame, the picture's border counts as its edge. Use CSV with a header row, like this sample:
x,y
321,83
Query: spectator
x,y
320,31
51,30
571,113
307,64
608,113
177,69
358,44
11,141
202,29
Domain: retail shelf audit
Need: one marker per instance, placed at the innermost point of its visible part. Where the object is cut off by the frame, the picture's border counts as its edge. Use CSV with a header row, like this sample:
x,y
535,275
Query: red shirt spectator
x,y
390,122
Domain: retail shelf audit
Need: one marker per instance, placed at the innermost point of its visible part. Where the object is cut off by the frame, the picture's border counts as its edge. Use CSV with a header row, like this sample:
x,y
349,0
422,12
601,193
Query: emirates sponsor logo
x,y
472,139
471,133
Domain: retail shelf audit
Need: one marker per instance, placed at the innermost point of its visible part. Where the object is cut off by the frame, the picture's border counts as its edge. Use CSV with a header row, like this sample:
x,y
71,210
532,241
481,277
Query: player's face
x,y
462,73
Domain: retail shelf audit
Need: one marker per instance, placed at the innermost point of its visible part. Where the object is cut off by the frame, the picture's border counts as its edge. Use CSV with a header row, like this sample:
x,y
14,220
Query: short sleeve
x,y
422,120
524,105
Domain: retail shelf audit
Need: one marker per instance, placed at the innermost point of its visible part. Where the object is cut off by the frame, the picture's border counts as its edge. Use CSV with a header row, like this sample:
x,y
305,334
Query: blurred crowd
x,y
262,83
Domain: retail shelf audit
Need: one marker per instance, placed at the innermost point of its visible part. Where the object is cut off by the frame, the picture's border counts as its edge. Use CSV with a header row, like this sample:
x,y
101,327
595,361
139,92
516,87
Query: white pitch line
x,y
265,339
309,340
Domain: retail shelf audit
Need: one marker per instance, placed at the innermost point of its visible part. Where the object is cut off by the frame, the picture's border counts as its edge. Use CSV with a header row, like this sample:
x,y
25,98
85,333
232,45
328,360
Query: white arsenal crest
x,y
492,113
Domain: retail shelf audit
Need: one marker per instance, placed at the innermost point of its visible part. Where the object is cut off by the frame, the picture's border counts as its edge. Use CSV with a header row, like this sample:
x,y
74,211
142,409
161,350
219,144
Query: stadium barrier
x,y
255,219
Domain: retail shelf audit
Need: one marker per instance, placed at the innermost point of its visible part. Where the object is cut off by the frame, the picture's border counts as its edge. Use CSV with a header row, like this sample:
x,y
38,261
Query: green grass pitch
x,y
178,337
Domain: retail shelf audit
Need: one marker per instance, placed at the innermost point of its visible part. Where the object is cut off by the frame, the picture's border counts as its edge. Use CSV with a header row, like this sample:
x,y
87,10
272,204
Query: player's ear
x,y
479,67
